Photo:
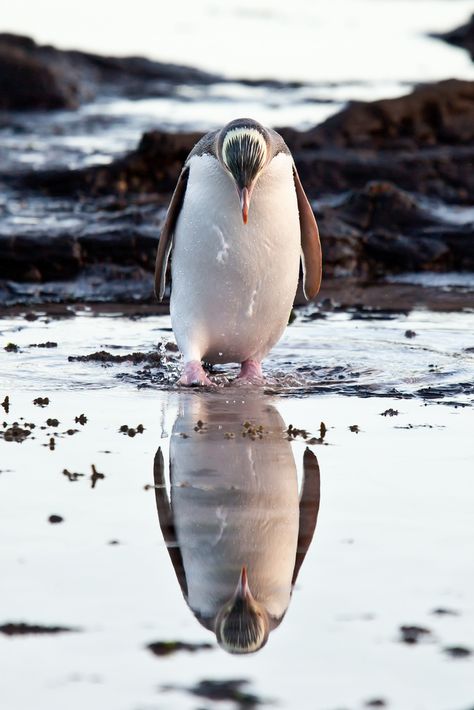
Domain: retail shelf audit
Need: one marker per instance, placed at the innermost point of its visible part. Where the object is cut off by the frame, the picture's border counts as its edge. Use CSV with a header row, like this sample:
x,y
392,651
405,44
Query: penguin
x,y
235,525
239,223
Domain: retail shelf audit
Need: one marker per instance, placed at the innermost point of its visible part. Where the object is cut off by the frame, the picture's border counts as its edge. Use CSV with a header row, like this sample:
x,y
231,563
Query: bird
x,y
239,222
235,526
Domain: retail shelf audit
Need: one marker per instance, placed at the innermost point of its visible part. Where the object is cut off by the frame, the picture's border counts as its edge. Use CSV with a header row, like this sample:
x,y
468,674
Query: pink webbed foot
x,y
251,372
194,375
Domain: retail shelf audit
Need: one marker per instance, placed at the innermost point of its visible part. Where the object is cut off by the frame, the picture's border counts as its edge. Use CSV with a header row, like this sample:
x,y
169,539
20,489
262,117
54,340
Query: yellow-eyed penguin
x,y
236,529
238,222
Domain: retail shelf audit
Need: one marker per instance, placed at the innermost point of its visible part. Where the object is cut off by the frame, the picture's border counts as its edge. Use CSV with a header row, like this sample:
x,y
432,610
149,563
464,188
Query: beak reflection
x,y
244,196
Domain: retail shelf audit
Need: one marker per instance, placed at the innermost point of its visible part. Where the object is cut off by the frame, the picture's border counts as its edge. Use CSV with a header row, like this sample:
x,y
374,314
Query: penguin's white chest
x,y
233,284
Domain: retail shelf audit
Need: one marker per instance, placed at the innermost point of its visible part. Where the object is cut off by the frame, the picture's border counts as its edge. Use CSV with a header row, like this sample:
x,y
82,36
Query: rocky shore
x,y
391,183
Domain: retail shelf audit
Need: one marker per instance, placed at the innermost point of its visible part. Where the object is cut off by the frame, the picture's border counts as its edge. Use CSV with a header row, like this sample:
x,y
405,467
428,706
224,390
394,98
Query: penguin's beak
x,y
244,195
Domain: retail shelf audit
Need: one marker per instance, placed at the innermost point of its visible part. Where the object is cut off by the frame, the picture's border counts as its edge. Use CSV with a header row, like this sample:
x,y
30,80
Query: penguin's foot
x,y
251,372
194,375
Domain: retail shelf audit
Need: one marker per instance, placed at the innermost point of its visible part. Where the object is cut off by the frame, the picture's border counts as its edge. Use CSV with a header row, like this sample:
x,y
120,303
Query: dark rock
x,y
382,229
152,168
422,142
432,115
410,334
461,36
28,81
42,77
54,519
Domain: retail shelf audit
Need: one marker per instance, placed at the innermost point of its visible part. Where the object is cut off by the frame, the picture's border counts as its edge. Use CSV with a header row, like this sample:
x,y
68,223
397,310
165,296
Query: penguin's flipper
x,y
309,508
166,236
310,244
166,518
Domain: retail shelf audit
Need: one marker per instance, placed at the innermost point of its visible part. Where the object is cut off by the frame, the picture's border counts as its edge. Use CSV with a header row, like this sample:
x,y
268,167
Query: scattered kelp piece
x,y
81,419
52,422
354,428
22,629
376,703
389,412
41,401
6,404
167,648
106,358
16,433
414,634
293,432
48,344
55,519
71,475
95,476
132,431
457,651
11,348
443,611
253,431
224,690
410,334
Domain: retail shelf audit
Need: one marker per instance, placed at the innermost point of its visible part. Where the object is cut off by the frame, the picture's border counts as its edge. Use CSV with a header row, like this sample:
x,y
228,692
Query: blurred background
x,y
131,88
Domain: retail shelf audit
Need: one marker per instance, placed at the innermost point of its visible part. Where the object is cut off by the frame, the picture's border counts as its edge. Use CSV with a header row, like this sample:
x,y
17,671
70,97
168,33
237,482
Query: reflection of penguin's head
x,y
242,625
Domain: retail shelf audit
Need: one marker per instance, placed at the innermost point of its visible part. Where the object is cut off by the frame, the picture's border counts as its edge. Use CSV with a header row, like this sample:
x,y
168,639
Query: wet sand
x,y
388,550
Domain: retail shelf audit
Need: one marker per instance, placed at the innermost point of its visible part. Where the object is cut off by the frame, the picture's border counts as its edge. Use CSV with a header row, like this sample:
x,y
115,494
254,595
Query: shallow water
x,y
395,513
390,476
360,353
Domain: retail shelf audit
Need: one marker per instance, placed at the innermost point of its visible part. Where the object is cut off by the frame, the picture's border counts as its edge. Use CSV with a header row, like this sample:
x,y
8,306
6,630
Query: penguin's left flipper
x,y
310,244
166,236
309,508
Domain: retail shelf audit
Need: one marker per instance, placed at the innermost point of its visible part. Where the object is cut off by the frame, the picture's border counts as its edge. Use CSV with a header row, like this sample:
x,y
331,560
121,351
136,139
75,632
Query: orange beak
x,y
243,589
245,203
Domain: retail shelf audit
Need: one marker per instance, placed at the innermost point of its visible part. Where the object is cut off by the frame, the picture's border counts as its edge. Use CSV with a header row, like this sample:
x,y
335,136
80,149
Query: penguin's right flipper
x,y
166,237
166,518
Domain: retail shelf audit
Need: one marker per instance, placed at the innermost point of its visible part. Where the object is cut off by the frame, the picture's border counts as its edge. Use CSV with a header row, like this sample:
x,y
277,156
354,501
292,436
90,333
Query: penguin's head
x,y
242,625
243,149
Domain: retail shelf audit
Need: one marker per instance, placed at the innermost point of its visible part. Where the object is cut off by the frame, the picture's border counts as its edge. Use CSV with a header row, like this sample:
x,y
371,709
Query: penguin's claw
x,y
195,376
251,372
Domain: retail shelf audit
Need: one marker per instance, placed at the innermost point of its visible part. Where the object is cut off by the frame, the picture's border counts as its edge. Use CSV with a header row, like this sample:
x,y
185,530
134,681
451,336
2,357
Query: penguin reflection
x,y
236,529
